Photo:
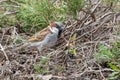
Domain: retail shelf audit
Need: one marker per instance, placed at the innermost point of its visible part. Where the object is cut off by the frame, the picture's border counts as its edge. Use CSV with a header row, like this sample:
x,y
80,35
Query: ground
x,y
72,58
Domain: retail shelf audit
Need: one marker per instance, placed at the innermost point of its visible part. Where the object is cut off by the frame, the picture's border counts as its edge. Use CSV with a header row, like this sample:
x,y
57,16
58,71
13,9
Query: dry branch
x,y
89,34
2,49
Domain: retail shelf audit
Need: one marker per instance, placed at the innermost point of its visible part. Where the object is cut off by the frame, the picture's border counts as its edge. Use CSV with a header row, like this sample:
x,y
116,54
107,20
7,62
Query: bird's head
x,y
57,27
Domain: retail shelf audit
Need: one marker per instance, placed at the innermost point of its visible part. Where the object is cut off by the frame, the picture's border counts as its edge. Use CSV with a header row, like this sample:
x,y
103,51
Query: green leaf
x,y
74,51
37,68
114,76
114,67
44,60
74,37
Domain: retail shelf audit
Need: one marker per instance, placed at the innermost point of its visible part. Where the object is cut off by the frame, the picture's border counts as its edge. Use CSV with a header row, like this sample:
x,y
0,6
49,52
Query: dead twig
x,y
9,13
2,49
3,1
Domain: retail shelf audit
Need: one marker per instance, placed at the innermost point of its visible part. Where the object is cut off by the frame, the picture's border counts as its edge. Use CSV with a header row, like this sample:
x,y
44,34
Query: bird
x,y
45,38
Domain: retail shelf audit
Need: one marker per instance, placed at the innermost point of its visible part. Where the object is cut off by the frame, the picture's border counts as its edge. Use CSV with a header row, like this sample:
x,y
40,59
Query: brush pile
x,y
72,58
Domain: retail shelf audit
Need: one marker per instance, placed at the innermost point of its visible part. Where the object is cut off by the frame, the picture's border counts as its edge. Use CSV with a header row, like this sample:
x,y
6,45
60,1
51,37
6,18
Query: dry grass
x,y
98,27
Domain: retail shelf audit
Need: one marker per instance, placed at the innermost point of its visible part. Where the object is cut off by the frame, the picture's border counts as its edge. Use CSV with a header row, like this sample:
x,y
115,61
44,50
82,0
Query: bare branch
x,y
2,49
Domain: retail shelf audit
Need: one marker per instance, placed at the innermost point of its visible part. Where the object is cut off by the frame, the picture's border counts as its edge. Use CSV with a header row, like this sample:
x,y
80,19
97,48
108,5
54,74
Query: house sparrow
x,y
45,38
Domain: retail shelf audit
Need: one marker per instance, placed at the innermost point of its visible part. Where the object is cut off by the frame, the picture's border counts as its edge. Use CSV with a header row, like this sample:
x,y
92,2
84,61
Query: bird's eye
x,y
57,26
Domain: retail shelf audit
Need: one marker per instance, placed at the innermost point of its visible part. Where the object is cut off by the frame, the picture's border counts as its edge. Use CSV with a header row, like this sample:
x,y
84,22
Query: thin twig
x,y
9,13
3,1
2,49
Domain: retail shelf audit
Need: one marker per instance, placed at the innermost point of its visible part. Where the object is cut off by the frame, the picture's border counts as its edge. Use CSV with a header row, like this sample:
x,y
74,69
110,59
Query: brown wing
x,y
40,35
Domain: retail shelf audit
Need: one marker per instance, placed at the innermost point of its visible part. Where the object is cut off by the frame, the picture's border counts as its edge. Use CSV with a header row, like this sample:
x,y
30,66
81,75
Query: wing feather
x,y
40,35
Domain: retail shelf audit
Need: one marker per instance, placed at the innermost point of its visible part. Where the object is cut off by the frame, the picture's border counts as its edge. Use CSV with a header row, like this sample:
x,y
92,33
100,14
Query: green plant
x,y
44,60
112,4
108,2
116,49
72,46
73,49
59,68
6,16
112,57
74,6
116,74
37,14
18,41
115,63
6,21
104,54
40,68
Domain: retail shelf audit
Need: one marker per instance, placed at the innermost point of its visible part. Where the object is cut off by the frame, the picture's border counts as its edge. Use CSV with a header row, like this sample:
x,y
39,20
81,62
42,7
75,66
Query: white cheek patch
x,y
54,30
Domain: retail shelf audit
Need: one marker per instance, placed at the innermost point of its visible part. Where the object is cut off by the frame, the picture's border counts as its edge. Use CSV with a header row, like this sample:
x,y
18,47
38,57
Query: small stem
x,y
2,49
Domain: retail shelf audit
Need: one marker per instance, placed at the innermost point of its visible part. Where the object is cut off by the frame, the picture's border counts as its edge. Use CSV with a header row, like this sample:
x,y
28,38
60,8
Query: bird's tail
x,y
21,47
